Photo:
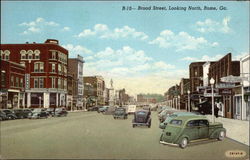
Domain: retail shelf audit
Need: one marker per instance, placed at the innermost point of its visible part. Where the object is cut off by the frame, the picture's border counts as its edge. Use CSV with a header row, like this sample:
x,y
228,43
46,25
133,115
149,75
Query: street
x,y
92,135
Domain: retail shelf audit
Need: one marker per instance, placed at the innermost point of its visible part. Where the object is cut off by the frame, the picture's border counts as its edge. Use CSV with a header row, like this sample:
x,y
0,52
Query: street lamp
x,y
188,100
212,85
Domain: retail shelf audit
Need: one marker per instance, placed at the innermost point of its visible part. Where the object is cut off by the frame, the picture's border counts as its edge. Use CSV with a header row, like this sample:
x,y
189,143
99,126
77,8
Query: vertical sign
x,y
27,81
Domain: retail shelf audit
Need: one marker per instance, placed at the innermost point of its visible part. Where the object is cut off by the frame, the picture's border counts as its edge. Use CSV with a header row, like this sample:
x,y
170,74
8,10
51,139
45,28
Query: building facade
x,y
45,71
98,84
12,84
75,66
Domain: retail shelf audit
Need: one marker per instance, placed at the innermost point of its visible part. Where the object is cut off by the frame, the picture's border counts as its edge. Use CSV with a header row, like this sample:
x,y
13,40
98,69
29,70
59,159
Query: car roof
x,y
193,117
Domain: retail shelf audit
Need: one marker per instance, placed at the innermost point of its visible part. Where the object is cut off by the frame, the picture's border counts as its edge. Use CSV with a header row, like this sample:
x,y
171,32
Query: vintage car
x,y
20,114
9,113
174,115
120,113
102,109
141,118
3,116
165,113
59,112
187,129
38,113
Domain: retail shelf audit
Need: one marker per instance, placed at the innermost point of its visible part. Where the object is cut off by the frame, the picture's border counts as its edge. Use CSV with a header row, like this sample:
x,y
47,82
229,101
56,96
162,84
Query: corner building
x,y
45,72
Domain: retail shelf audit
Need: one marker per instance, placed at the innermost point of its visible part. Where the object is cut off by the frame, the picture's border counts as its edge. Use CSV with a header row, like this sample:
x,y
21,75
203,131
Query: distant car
x,y
20,114
120,113
141,118
174,115
3,116
110,110
50,111
10,114
38,113
103,109
131,109
164,114
95,108
187,129
59,112
27,111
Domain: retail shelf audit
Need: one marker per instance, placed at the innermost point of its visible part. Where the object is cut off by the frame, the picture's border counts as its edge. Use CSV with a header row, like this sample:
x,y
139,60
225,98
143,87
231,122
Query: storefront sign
x,y
225,91
225,85
210,95
27,81
233,79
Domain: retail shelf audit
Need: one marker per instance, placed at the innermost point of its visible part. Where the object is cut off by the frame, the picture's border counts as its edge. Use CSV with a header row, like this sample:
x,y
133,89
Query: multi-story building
x,y
12,83
75,66
46,71
195,75
223,68
98,84
72,92
184,88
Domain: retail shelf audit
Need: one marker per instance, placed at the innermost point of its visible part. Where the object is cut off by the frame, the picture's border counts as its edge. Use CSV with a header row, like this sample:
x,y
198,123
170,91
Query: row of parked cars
x,y
181,128
31,113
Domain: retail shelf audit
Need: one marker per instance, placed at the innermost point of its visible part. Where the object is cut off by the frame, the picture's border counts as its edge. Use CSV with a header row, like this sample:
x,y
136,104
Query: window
x,y
21,82
53,56
17,82
53,66
53,82
37,56
23,56
3,74
176,122
65,84
59,68
41,67
59,83
193,123
30,56
203,123
12,81
41,80
36,83
7,57
36,67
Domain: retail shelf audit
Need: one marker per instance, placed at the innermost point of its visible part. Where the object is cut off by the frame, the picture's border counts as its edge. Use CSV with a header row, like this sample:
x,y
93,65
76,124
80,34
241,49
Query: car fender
x,y
216,132
180,137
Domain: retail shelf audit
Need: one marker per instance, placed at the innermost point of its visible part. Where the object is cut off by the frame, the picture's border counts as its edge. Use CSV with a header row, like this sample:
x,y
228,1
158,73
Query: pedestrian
x,y
216,110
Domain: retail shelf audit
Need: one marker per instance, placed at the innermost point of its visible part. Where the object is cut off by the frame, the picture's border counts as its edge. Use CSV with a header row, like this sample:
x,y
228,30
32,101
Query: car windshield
x,y
141,113
176,122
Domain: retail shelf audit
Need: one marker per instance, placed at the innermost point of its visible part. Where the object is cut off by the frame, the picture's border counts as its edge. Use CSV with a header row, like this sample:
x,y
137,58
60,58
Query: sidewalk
x,y
237,130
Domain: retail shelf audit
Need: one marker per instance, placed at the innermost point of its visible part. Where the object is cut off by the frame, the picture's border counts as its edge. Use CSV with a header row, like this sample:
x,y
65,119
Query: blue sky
x,y
144,51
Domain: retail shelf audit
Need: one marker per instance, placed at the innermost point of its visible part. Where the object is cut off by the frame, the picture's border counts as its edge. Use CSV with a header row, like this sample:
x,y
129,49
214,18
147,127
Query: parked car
x,y
187,129
59,112
27,111
102,109
38,113
20,114
10,114
141,118
50,111
3,116
120,113
174,115
95,108
164,114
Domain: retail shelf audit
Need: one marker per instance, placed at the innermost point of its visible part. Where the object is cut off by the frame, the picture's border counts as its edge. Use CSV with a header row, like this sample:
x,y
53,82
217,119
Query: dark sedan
x,y
10,114
59,112
38,113
3,116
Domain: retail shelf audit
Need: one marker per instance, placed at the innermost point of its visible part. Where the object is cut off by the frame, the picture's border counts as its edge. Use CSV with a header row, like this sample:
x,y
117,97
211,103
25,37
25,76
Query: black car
x,y
50,111
120,113
27,112
10,114
3,116
93,108
38,113
59,112
142,118
20,113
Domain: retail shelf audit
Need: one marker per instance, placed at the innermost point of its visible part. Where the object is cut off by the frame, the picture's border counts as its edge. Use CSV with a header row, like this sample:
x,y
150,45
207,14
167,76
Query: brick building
x,y
98,87
12,83
223,68
45,71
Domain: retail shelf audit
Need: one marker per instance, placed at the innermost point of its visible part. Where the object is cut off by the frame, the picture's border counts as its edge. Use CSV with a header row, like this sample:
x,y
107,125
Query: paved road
x,y
89,135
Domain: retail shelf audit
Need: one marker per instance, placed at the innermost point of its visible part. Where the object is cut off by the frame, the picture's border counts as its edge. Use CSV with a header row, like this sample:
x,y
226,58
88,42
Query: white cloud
x,y
213,26
181,41
102,31
78,49
66,29
39,25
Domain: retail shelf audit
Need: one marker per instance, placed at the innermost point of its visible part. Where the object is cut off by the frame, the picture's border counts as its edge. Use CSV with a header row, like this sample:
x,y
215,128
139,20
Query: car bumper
x,y
166,143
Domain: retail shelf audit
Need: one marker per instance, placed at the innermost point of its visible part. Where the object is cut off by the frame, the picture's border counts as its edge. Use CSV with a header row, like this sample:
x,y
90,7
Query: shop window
x,y
41,83
53,66
21,82
53,82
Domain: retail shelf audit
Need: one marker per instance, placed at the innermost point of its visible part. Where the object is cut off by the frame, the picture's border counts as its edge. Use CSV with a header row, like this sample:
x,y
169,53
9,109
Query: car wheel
x,y
221,135
133,125
183,143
